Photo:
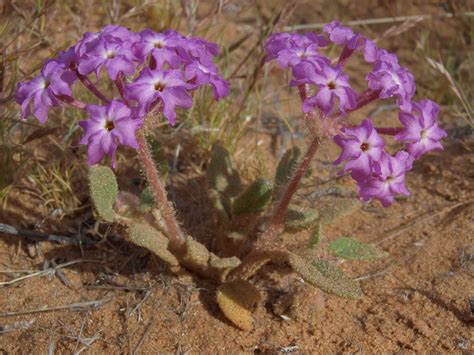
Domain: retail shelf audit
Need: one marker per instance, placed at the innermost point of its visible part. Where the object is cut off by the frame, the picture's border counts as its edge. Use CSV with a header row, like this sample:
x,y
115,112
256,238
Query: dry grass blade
x,y
47,271
43,237
377,21
396,30
438,66
68,307
7,328
422,218
144,335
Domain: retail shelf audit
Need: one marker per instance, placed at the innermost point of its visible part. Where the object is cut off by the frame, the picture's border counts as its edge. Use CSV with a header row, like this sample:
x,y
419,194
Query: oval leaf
x,y
104,191
222,175
286,166
255,198
299,218
150,238
326,276
351,249
237,299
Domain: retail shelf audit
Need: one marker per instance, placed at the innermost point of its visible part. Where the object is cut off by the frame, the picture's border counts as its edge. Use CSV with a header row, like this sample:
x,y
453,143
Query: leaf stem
x,y
175,234
88,84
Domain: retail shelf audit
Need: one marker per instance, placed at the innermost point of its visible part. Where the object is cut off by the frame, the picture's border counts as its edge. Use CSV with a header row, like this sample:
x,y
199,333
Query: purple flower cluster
x,y
151,71
378,174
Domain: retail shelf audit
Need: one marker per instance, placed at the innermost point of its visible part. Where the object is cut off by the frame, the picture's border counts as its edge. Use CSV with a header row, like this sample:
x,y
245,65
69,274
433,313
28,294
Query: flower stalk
x,y
175,234
88,84
277,221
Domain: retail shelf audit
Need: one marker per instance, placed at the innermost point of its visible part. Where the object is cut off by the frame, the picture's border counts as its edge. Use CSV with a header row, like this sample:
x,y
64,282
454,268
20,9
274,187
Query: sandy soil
x,y
113,297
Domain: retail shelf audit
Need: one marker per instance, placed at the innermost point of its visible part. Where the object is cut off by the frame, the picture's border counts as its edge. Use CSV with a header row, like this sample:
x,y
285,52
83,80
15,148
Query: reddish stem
x,y
302,91
72,102
119,84
88,84
345,55
389,131
175,234
365,98
277,221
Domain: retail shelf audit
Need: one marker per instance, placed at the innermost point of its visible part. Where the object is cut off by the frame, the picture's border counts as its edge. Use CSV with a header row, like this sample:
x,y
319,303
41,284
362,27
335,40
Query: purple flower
x,y
276,43
421,132
393,80
107,127
164,48
43,90
198,74
338,34
115,56
361,146
331,82
373,54
164,86
110,33
200,50
388,180
294,48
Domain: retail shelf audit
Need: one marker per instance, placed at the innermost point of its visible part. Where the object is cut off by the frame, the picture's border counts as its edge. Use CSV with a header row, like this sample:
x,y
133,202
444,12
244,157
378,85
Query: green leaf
x,y
222,174
318,273
299,218
255,198
335,281
325,276
146,236
159,156
286,166
104,191
316,235
147,202
348,248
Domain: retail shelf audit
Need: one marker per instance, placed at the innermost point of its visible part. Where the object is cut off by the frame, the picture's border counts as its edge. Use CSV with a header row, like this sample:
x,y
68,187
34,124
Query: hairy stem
x,y
389,131
72,102
277,221
119,85
88,84
175,234
365,98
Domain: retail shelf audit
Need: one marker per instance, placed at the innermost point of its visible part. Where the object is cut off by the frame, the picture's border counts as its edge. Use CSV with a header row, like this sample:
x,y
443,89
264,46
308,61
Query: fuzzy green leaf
x,y
147,202
222,174
299,218
326,276
286,166
348,248
104,191
150,238
316,235
255,198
